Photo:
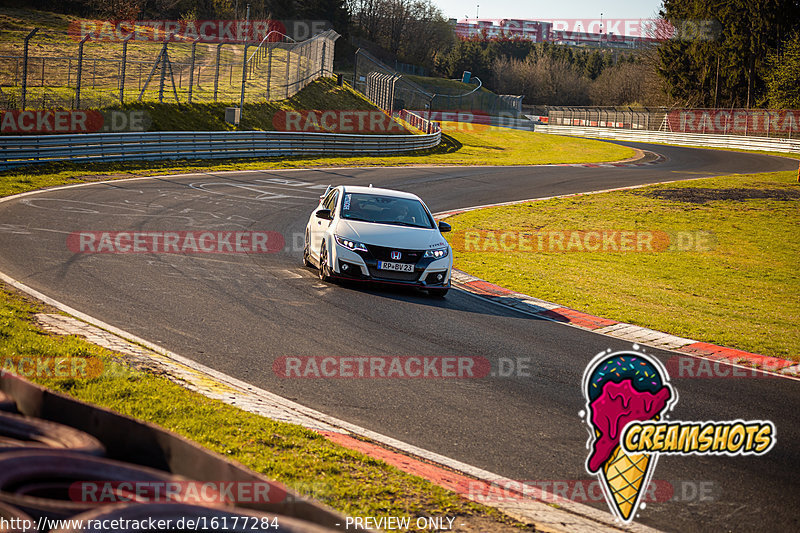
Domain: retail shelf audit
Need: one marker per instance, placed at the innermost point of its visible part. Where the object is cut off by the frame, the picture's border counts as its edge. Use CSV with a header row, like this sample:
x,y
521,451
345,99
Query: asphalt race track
x,y
238,313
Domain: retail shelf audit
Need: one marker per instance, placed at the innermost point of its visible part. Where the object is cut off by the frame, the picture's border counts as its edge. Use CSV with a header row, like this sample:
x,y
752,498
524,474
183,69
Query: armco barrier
x,y
145,444
689,139
23,150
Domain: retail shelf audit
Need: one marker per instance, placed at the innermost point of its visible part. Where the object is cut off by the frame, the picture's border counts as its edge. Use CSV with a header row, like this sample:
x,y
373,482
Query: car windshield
x,y
385,210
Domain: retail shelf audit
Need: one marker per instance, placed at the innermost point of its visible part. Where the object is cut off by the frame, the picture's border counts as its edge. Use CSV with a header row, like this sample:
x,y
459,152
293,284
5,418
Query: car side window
x,y
327,199
330,202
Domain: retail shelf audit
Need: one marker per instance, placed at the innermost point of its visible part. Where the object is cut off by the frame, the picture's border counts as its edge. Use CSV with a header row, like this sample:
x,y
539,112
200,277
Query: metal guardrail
x,y
689,139
424,125
475,120
23,150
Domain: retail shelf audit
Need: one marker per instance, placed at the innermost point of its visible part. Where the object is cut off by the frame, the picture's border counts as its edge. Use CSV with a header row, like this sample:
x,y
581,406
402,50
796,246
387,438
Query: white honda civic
x,y
380,235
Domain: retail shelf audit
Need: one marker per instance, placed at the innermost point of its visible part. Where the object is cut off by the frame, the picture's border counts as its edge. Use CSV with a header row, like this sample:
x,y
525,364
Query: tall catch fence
x,y
43,70
392,90
717,121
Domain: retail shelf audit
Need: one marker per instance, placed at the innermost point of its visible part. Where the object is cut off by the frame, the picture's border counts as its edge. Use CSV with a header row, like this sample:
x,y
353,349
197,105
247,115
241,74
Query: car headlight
x,y
350,244
438,253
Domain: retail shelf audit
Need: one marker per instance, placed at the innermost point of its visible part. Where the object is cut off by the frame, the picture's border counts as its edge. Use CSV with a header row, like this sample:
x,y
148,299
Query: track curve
x,y
238,313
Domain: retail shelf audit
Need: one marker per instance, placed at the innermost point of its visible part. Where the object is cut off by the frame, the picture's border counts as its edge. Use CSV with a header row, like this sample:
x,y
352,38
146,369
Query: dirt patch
x,y
697,195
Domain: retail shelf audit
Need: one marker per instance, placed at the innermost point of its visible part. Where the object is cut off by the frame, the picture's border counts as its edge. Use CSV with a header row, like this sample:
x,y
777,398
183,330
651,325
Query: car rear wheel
x,y
324,269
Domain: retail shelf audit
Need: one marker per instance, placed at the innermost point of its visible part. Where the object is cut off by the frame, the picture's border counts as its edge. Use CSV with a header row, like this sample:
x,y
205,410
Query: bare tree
x,y
411,30
542,80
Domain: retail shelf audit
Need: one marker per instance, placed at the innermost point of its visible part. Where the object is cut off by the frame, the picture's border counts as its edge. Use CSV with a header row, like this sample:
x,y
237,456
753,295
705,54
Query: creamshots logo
x,y
628,399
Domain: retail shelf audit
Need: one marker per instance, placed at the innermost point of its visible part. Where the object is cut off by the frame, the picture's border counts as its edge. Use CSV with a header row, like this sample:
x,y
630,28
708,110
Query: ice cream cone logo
x,y
621,388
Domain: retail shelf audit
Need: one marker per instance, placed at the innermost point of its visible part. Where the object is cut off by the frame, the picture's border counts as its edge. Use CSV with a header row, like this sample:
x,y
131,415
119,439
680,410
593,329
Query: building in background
x,y
574,32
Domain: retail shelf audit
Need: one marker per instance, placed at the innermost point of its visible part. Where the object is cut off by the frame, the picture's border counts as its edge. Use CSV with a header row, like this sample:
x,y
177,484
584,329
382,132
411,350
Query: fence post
x,y
191,72
244,78
269,68
323,66
80,72
25,66
163,59
122,70
288,60
355,70
216,71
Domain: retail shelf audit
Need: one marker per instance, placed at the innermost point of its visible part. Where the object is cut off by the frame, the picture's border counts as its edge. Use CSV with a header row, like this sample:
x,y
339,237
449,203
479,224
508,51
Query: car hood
x,y
390,236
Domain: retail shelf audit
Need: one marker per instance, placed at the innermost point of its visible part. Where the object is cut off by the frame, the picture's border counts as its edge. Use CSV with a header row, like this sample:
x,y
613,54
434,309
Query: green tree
x,y
594,65
783,76
718,57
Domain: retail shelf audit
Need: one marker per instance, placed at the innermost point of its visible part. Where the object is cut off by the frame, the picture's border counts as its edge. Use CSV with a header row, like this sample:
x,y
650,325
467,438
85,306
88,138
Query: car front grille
x,y
382,253
393,275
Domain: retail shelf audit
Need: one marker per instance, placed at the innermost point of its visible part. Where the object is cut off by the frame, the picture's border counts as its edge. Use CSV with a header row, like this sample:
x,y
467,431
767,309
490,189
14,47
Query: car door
x,y
319,226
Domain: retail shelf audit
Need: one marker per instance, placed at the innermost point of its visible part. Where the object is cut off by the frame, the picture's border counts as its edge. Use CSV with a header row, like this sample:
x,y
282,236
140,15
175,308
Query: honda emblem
x,y
396,255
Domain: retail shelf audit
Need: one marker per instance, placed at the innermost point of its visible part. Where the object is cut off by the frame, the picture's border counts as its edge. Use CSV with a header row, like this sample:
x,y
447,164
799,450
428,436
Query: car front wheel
x,y
437,293
324,269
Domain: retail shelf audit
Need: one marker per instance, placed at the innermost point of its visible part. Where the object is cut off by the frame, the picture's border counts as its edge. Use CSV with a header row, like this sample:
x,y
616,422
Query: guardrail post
x,y
25,66
80,72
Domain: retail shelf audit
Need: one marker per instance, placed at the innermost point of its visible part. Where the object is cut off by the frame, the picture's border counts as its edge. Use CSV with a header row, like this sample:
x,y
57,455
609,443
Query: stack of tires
x,y
44,466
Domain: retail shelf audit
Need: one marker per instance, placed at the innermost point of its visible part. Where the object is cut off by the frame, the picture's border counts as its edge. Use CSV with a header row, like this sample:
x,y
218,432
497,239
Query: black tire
x,y
437,293
248,520
19,433
50,483
7,403
324,270
306,252
9,513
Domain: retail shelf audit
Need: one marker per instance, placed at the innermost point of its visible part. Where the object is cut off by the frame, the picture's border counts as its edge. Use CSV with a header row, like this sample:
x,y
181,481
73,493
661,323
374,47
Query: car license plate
x,y
398,267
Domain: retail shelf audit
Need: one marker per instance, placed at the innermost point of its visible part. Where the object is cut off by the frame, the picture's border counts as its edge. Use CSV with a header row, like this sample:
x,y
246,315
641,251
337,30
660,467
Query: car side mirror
x,y
444,227
325,214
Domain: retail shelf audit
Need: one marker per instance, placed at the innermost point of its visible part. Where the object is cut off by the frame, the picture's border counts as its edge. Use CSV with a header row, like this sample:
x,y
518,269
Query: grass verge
x,y
302,459
743,290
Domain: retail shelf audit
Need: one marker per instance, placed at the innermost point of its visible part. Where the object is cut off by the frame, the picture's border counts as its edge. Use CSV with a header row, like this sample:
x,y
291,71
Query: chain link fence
x,y
783,123
392,90
44,71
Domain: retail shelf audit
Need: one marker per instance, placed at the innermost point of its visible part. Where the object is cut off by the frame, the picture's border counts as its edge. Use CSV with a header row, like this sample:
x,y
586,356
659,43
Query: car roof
x,y
378,191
